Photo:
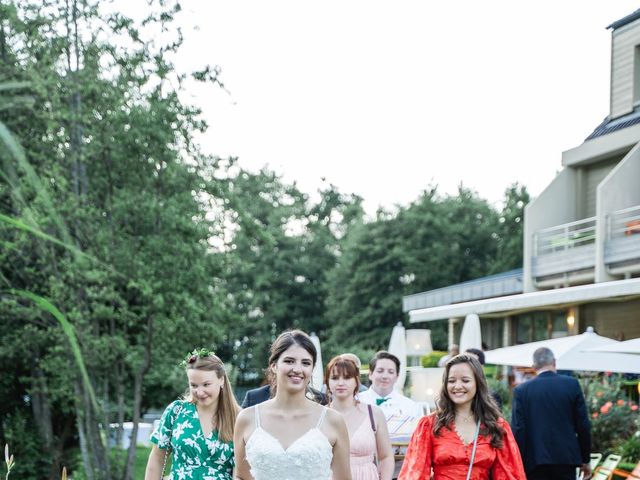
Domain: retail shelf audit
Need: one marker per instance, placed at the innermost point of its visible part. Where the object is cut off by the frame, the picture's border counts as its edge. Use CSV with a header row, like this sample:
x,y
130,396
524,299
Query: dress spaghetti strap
x,y
257,415
324,412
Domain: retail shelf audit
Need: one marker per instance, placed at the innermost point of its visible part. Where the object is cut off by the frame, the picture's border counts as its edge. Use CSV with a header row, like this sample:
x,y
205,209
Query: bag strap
x,y
373,423
473,453
166,451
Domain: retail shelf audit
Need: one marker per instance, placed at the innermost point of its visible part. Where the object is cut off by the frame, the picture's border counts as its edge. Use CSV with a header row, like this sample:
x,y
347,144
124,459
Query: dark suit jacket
x,y
256,396
262,394
550,421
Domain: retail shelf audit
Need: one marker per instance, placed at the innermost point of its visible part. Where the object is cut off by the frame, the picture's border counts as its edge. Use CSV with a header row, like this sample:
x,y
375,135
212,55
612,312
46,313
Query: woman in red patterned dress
x,y
442,445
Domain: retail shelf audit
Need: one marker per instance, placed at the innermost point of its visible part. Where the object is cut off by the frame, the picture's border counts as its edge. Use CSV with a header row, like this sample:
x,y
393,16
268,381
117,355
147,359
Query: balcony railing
x,y
565,248
622,246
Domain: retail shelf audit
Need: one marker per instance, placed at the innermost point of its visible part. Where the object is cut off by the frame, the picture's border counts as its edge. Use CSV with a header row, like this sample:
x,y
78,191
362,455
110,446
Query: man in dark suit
x,y
262,394
550,423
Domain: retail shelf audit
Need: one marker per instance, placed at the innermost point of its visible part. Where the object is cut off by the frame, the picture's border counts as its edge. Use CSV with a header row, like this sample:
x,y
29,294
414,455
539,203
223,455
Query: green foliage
x,y
613,416
431,360
29,458
629,449
501,388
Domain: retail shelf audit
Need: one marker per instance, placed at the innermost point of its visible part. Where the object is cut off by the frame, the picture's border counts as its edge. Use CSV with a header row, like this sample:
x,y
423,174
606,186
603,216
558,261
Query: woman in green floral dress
x,y
198,430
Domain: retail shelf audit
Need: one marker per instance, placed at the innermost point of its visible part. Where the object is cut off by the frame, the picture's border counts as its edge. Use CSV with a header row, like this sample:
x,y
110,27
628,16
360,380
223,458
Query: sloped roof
x,y
625,20
608,126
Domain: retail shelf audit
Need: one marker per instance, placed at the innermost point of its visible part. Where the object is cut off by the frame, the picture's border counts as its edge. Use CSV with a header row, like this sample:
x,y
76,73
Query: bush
x,y
25,444
431,360
630,449
613,416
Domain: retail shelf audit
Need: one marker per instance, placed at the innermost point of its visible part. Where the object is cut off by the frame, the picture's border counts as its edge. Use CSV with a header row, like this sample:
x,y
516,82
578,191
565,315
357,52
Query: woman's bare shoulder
x,y
246,417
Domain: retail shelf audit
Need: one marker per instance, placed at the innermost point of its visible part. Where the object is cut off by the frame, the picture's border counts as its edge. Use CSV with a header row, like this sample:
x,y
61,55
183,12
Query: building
x,y
581,259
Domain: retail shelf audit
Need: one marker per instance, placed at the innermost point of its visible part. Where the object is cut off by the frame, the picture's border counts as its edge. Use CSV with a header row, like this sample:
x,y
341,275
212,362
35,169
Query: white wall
x,y
556,205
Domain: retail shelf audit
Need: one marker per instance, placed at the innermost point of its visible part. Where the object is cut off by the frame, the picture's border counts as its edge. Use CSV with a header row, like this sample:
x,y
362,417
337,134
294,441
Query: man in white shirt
x,y
383,373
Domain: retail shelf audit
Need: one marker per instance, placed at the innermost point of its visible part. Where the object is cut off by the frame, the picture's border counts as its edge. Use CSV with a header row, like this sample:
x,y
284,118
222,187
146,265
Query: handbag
x,y
473,452
166,451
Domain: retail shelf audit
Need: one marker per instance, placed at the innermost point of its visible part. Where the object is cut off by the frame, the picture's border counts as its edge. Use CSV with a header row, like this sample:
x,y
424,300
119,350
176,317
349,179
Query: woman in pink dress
x,y
442,446
368,436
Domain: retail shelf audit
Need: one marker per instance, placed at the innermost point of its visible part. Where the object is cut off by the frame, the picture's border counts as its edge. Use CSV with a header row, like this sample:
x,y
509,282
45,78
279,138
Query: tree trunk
x,y
41,408
137,399
121,405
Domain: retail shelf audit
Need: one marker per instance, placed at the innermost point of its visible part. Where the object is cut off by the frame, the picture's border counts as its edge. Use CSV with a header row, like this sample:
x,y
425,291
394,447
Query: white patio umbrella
x,y
317,377
398,347
629,346
570,353
471,337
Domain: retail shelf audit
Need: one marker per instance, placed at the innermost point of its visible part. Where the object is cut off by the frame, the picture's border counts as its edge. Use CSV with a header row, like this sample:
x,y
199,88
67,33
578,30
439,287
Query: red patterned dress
x,y
448,456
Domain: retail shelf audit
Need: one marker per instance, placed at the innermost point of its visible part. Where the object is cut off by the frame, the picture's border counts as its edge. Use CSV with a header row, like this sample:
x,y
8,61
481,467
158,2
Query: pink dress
x,y
362,452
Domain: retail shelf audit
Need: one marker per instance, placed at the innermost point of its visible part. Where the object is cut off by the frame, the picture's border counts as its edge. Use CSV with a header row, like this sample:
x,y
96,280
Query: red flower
x,y
634,407
594,415
621,402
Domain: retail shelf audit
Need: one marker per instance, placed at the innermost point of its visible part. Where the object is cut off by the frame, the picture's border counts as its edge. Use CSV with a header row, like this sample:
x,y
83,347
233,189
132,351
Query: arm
x,y
161,439
417,461
517,420
508,463
154,463
583,431
386,461
241,431
340,464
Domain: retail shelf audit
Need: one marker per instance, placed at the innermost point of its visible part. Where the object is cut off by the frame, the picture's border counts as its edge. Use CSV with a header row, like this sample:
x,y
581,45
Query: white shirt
x,y
396,404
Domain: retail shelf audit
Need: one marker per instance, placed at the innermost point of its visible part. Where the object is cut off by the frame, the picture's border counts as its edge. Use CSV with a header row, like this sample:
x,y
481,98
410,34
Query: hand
x,y
585,469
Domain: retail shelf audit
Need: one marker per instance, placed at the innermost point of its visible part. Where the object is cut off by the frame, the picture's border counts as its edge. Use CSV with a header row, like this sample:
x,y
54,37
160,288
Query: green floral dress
x,y
194,457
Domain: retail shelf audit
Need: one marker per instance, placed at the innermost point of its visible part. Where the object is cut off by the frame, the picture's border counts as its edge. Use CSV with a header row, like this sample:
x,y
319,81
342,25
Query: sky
x,y
387,98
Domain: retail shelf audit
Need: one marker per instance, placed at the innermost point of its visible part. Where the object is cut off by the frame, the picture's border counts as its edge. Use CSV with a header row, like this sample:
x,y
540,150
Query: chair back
x,y
595,460
605,471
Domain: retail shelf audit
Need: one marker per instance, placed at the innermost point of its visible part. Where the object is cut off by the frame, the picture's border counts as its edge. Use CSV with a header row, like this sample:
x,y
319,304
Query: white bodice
x,y
308,458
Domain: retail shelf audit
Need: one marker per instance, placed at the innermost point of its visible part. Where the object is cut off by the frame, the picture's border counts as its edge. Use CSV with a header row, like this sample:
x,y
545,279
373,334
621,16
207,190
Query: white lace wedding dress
x,y
307,458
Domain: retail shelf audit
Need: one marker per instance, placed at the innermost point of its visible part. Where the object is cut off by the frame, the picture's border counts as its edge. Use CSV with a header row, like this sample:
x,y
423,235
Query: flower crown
x,y
195,355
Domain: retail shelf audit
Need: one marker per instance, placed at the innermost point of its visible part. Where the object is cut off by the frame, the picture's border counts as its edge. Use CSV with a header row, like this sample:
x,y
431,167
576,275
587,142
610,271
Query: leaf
x,y
4,86
69,331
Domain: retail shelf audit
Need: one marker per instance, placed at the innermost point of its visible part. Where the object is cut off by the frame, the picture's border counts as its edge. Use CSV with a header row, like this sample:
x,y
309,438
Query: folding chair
x,y
605,471
595,460
633,475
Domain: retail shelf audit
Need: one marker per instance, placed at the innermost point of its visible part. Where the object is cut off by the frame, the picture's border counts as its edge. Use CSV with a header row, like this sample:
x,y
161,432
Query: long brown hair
x,y
345,366
483,406
228,408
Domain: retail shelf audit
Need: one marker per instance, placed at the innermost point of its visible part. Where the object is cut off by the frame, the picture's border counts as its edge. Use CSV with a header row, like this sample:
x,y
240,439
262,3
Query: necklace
x,y
464,418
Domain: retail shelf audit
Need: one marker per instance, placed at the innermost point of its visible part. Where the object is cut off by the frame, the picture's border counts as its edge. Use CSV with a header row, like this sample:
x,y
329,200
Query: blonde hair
x,y
228,408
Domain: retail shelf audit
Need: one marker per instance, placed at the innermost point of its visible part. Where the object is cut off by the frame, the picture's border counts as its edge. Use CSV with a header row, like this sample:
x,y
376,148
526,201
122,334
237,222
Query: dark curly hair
x,y
483,406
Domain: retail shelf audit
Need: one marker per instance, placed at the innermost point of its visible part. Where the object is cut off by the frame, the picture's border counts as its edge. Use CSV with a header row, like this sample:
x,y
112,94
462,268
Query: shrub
x,y
613,416
431,360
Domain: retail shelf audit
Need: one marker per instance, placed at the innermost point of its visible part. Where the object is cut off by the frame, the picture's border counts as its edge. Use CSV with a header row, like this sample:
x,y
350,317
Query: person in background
x,y
265,392
443,441
198,429
384,368
356,360
453,351
550,423
368,435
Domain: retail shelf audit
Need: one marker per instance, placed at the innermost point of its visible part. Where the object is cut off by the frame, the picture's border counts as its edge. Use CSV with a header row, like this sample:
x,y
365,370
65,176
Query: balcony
x,y
565,254
622,244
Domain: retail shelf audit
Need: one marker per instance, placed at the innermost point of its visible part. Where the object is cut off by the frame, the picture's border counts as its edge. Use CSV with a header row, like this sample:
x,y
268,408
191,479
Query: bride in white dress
x,y
290,437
